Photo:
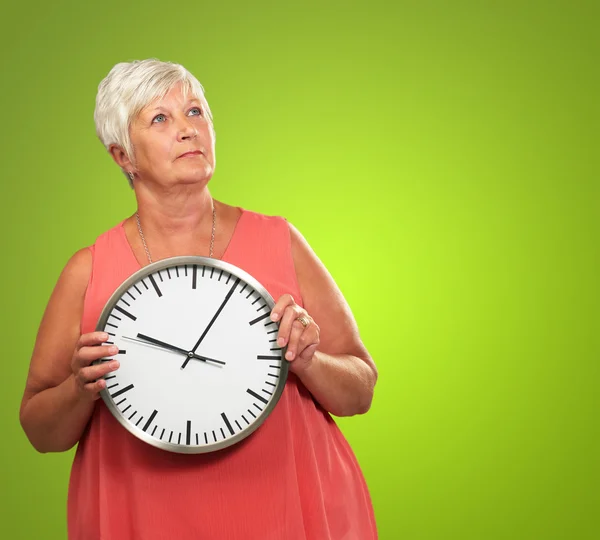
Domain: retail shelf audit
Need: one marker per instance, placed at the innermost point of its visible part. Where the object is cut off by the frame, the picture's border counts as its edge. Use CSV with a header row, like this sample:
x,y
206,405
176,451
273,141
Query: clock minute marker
x,y
125,312
122,391
155,285
227,423
258,319
257,396
152,416
264,357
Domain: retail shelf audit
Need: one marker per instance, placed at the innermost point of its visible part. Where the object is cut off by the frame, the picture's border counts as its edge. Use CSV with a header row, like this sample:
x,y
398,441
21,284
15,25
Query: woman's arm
x,y
333,364
59,394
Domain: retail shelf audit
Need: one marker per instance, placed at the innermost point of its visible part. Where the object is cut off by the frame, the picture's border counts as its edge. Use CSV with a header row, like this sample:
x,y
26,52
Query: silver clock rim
x,y
221,265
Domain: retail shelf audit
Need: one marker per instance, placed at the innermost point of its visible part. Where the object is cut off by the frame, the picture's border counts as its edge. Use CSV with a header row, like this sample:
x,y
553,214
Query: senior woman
x,y
296,477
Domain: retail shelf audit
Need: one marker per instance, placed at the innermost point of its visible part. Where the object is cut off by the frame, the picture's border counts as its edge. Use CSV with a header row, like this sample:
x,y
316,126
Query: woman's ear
x,y
120,157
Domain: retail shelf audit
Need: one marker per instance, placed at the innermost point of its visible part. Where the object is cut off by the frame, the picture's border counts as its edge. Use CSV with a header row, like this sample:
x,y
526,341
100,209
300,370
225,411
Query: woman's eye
x,y
159,118
196,111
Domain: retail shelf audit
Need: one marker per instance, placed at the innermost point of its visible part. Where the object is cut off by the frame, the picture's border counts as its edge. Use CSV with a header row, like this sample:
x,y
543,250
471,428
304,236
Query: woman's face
x,y
173,140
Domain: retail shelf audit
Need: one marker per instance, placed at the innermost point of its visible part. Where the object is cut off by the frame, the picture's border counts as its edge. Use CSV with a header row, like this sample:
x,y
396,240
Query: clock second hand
x,y
212,321
146,340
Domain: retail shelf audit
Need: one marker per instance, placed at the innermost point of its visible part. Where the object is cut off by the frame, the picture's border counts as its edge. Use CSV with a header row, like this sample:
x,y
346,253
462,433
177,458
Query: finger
x,y
93,389
284,301
91,339
294,340
290,314
93,373
87,355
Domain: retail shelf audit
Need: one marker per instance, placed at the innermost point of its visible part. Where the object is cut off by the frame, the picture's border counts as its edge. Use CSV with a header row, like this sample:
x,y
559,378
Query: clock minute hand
x,y
212,321
170,347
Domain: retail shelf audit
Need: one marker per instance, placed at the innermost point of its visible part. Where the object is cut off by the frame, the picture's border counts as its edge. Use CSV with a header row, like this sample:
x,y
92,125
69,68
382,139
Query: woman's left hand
x,y
297,330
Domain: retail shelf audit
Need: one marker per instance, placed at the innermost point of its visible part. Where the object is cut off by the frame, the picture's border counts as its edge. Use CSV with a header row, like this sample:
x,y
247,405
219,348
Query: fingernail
x,y
114,349
289,355
274,316
281,342
104,337
114,364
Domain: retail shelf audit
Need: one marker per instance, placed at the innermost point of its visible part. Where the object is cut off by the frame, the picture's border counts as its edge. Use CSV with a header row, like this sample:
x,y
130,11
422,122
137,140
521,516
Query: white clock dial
x,y
200,368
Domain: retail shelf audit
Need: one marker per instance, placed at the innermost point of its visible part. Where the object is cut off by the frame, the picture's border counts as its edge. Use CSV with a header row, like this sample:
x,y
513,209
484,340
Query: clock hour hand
x,y
212,321
168,346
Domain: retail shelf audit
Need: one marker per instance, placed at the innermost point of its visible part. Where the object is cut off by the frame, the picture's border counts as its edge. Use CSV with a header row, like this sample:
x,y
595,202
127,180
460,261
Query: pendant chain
x,y
212,235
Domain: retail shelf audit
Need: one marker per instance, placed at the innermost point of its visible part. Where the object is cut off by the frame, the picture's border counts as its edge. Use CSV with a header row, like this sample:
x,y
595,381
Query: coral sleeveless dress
x,y
295,478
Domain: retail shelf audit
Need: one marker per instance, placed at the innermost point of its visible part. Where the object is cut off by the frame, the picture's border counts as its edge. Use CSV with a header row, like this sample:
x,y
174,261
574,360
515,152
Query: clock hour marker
x,y
257,396
263,357
122,391
155,286
258,319
124,312
194,277
188,432
226,420
122,351
147,425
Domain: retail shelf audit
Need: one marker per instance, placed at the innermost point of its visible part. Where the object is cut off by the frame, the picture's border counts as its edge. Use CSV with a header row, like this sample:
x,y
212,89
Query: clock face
x,y
200,368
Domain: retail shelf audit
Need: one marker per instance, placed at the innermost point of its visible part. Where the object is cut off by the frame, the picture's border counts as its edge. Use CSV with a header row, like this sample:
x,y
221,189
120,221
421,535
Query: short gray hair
x,y
131,86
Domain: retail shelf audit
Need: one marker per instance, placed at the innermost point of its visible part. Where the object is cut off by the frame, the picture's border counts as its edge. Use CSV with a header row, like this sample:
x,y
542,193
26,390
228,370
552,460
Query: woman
x,y
295,477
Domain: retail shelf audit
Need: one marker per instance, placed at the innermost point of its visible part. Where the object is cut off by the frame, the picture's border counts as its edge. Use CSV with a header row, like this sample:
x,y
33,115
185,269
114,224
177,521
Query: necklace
x,y
212,235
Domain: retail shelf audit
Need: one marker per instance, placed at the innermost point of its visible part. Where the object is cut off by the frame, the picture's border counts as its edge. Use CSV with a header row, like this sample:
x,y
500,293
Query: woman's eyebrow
x,y
163,108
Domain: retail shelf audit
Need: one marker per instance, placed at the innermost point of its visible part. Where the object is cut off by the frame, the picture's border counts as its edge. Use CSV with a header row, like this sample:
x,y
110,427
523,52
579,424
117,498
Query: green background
x,y
441,159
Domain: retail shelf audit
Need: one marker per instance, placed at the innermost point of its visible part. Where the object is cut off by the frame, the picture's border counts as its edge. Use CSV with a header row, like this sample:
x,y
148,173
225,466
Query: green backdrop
x,y
440,157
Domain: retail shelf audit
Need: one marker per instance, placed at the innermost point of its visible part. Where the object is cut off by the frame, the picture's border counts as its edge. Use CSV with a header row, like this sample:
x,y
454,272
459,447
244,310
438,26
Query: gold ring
x,y
305,322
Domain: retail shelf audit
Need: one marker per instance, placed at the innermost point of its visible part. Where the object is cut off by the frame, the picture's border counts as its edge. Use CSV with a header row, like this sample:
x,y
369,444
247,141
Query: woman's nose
x,y
187,130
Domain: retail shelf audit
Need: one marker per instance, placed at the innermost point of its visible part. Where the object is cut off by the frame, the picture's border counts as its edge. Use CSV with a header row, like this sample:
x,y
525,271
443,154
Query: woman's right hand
x,y
89,348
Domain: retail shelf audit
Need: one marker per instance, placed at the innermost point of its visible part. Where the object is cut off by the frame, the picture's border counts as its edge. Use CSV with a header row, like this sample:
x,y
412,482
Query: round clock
x,y
200,368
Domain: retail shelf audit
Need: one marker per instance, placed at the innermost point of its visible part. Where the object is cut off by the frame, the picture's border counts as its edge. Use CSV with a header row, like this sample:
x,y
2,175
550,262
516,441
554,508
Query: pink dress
x,y
295,478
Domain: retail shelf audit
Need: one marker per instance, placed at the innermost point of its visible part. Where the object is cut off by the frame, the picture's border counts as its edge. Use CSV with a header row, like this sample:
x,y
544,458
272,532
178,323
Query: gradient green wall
x,y
440,157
